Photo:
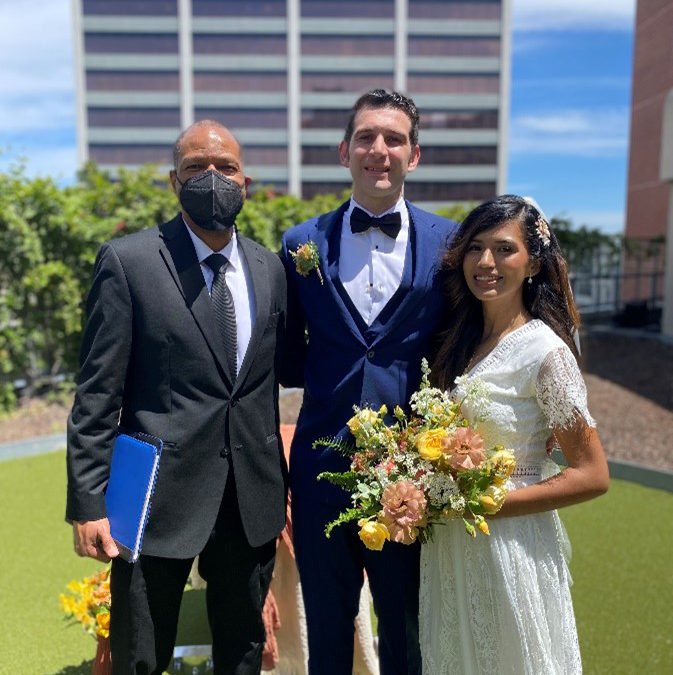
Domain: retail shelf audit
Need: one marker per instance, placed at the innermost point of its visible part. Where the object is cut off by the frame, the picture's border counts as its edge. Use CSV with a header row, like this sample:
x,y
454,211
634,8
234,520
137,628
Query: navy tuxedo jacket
x,y
344,362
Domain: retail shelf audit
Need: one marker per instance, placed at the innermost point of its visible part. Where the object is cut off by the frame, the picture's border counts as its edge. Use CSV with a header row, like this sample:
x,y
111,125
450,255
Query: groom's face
x,y
379,156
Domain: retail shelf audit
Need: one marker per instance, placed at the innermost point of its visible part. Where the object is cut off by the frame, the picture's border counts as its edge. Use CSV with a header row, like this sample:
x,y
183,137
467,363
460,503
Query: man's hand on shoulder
x,y
92,538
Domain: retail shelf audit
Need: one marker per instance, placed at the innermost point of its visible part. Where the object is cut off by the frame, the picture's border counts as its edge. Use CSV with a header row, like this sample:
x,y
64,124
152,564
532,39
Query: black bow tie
x,y
389,224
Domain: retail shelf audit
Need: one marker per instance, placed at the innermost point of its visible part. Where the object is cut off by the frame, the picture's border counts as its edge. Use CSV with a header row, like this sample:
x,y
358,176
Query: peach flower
x,y
403,511
463,450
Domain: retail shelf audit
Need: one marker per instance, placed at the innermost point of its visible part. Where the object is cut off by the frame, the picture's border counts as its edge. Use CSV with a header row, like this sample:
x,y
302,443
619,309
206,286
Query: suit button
x,y
225,452
370,354
233,403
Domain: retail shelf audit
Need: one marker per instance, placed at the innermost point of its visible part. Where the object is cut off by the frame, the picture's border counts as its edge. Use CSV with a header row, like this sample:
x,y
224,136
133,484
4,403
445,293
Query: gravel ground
x,y
629,376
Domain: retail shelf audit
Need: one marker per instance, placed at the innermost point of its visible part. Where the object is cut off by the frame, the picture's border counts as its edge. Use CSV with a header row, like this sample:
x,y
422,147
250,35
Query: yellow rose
x,y
504,461
429,444
368,416
103,624
373,534
383,410
491,499
354,425
482,525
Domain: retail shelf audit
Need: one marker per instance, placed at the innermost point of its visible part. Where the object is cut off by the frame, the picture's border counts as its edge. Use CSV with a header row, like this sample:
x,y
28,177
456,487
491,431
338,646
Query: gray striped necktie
x,y
223,305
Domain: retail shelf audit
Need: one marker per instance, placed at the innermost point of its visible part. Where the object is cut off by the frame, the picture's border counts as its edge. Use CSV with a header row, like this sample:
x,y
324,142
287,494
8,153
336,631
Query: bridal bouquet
x,y
88,602
422,469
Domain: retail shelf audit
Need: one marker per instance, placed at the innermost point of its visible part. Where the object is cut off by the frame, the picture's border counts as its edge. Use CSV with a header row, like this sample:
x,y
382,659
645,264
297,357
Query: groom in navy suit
x,y
368,311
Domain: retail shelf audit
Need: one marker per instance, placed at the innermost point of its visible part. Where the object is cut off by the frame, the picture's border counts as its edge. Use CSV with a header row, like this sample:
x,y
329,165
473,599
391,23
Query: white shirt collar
x,y
400,207
230,251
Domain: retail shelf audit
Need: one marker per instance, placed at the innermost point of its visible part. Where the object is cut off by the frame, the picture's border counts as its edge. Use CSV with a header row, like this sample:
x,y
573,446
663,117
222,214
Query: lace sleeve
x,y
561,391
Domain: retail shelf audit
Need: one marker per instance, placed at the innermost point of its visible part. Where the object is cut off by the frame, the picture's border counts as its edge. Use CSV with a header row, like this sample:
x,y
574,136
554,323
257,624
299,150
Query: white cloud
x,y
535,15
587,133
37,77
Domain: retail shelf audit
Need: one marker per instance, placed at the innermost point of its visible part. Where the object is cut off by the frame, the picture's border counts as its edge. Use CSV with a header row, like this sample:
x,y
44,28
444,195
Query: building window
x,y
136,43
207,43
110,80
310,190
236,81
441,9
376,9
345,45
430,45
265,155
459,119
319,155
325,119
432,83
238,8
444,191
348,82
131,154
131,7
133,117
435,154
252,118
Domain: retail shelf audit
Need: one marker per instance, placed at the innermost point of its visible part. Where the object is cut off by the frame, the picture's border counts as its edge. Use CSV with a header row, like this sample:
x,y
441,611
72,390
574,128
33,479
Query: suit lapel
x,y
425,255
180,258
262,290
328,241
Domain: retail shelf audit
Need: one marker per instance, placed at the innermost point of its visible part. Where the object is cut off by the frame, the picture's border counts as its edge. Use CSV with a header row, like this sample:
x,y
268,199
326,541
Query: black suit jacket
x,y
152,361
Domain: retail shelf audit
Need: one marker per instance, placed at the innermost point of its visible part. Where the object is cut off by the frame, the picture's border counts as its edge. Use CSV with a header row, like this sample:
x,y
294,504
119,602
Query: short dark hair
x,y
380,98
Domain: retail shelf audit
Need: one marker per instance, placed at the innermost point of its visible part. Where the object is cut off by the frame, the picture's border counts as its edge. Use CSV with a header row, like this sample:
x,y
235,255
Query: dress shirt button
x,y
370,354
225,452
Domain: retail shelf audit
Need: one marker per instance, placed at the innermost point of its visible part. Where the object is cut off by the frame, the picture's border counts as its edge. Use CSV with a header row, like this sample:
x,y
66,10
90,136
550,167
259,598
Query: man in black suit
x,y
183,344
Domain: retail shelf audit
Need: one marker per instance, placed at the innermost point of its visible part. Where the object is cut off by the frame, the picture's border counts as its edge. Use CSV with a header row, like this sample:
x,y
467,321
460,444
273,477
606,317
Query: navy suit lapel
x,y
260,282
328,240
425,255
180,258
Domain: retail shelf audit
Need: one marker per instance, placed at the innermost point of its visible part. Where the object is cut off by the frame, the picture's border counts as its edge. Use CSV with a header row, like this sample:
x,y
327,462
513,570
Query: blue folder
x,y
133,475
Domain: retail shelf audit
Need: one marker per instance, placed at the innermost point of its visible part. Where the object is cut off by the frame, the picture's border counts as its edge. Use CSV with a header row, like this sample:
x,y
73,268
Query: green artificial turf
x,y
623,588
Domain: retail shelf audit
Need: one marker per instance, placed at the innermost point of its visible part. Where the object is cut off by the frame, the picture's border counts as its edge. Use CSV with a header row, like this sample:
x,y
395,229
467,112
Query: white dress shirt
x,y
237,277
371,264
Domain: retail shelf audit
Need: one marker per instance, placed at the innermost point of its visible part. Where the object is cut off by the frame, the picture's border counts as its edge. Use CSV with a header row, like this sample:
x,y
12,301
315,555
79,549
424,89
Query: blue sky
x,y
570,96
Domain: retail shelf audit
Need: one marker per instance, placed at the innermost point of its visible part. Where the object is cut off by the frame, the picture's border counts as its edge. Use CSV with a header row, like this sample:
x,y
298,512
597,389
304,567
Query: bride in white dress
x,y
501,603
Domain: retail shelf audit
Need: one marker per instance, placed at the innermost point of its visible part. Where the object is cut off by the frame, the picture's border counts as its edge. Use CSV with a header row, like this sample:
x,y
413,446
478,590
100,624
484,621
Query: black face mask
x,y
211,200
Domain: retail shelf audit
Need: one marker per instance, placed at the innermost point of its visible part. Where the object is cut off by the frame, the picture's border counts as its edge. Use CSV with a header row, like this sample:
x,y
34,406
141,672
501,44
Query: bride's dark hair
x,y
548,297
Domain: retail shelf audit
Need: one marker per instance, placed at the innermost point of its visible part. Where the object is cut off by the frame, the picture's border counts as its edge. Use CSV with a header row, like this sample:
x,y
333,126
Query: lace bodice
x,y
534,386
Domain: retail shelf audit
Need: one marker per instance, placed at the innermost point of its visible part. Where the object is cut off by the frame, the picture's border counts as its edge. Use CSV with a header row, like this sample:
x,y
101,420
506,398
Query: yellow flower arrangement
x,y
88,602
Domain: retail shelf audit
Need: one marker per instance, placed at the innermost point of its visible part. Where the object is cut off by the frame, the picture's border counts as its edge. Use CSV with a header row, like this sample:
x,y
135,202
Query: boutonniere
x,y
306,259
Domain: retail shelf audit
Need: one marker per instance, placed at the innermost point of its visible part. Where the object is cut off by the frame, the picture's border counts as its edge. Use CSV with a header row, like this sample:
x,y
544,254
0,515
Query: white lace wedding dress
x,y
501,604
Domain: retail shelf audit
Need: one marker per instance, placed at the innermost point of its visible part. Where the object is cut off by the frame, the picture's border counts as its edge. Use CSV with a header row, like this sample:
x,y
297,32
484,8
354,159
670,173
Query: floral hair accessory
x,y
541,224
306,259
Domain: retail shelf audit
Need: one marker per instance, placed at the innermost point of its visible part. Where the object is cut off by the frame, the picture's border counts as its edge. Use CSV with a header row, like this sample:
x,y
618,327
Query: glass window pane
x,y
433,83
458,154
310,190
426,45
230,81
110,80
115,43
343,45
238,7
131,154
131,7
206,43
441,9
244,118
459,119
350,82
325,119
380,9
134,117
471,191
319,155
269,155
